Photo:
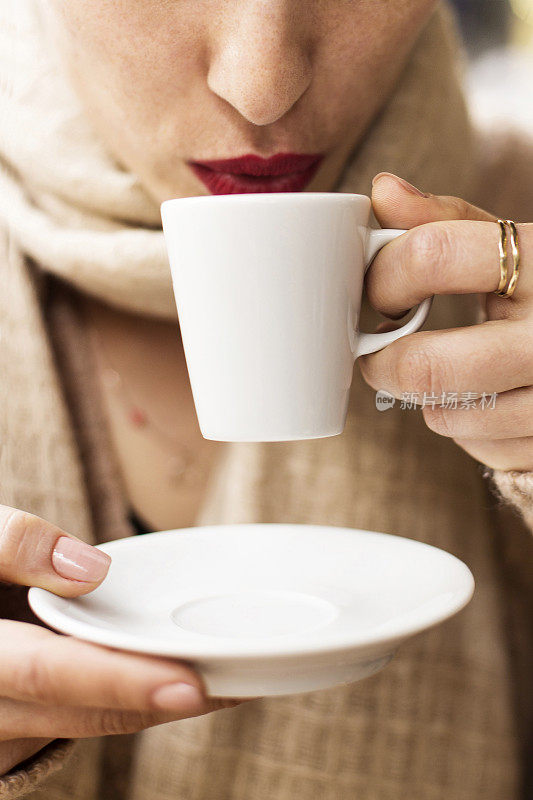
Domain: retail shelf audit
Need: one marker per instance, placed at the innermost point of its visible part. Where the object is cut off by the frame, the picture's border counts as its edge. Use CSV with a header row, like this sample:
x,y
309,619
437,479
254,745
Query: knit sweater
x,y
443,720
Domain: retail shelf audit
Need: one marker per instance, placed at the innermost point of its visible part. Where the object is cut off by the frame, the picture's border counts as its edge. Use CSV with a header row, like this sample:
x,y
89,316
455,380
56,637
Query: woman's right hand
x,y
54,686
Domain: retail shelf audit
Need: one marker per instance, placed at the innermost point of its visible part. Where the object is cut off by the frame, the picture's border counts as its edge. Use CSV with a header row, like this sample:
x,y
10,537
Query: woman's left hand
x,y
452,248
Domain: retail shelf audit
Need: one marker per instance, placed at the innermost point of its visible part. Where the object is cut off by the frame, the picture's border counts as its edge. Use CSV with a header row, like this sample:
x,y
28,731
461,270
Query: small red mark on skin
x,y
137,417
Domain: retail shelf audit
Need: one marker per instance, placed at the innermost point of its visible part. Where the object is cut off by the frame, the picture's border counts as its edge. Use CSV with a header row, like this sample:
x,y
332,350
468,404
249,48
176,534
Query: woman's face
x,y
171,82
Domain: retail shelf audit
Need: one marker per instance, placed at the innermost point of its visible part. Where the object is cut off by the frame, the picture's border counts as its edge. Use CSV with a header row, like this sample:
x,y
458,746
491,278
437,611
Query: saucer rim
x,y
42,603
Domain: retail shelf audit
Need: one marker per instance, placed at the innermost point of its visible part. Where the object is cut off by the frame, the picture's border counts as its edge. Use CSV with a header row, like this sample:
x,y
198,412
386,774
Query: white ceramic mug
x,y
268,291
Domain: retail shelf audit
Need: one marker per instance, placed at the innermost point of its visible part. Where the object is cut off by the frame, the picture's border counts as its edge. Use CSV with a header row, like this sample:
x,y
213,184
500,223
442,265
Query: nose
x,y
259,63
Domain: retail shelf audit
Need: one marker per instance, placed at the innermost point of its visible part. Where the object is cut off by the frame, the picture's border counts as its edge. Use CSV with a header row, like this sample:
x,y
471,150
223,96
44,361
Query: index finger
x,y
449,257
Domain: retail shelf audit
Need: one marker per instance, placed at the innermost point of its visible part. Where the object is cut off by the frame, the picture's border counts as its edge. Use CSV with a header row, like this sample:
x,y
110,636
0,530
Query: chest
x,y
164,461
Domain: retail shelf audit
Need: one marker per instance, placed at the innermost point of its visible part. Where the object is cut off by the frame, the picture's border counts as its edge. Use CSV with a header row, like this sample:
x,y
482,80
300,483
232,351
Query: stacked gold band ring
x,y
505,287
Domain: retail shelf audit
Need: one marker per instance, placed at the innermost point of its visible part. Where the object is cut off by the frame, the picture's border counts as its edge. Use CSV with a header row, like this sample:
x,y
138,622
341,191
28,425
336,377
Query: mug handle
x,y
372,342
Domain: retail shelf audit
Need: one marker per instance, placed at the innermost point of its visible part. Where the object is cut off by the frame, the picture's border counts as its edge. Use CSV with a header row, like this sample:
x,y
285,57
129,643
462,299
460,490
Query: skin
x,y
453,249
165,81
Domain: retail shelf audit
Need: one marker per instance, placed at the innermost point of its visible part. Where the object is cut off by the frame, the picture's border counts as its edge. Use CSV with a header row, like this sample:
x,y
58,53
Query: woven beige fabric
x,y
517,488
439,722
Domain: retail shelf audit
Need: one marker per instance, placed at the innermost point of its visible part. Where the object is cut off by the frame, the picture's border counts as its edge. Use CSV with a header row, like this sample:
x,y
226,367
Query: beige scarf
x,y
437,723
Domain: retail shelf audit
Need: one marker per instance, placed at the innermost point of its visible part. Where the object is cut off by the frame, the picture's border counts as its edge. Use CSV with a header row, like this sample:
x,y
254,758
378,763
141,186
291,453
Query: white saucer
x,y
265,609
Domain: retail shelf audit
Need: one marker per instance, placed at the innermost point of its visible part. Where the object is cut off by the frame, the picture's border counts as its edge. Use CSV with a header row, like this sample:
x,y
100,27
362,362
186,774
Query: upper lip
x,y
252,164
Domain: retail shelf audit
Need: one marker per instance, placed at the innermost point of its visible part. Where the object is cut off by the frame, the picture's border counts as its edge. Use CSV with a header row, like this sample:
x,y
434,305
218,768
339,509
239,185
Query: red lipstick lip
x,y
283,172
279,164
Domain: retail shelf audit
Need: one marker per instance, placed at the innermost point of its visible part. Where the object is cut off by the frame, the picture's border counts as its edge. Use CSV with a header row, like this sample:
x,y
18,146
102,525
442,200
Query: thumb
x,y
34,552
399,204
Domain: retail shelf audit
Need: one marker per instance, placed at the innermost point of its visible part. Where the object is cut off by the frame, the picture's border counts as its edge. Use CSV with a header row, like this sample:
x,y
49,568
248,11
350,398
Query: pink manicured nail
x,y
78,561
179,697
406,185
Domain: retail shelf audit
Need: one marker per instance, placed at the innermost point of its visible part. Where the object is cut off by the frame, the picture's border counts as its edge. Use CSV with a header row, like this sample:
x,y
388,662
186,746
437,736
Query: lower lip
x,y
229,183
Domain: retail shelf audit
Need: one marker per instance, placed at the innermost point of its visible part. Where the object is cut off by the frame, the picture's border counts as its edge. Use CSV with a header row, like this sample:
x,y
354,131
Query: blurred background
x,y
498,36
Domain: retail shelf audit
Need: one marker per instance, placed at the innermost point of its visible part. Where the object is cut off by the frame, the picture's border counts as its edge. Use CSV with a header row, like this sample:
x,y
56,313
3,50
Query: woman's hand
x,y
453,249
54,686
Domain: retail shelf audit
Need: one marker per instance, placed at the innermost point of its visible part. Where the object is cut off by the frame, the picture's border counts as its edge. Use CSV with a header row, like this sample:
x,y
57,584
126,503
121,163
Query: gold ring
x,y
507,289
502,245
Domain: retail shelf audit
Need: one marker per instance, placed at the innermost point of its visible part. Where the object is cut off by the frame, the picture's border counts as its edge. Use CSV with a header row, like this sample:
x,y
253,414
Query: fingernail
x,y
178,697
405,184
78,561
